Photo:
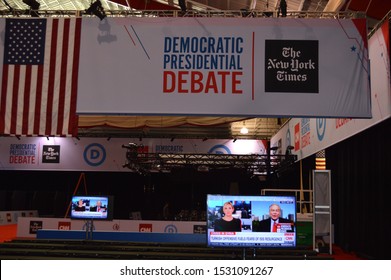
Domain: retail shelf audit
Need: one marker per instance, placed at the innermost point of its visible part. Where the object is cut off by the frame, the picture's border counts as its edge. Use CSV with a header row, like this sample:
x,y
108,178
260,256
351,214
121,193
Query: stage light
x,y
288,150
182,4
244,129
34,7
97,10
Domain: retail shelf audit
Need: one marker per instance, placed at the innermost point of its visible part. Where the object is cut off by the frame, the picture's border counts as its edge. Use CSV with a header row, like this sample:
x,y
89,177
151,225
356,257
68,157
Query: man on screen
x,y
98,207
275,223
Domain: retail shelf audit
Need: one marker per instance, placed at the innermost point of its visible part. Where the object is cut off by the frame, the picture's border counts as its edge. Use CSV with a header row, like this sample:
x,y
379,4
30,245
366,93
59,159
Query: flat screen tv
x,y
92,207
248,221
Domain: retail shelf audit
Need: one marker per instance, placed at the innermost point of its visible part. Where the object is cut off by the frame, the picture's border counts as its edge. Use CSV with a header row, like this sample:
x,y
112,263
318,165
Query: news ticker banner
x,y
224,66
196,269
310,135
101,154
28,226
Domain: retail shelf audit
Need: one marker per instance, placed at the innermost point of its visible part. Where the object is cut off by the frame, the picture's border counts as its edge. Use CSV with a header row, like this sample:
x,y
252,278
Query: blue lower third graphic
x,y
94,154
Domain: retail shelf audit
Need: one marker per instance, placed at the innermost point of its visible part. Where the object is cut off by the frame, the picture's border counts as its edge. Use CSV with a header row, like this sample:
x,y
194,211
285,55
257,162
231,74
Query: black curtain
x,y
360,175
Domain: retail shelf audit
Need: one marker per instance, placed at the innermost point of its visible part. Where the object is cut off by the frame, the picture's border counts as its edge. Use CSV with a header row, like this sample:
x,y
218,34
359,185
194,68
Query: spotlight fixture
x,y
289,150
34,7
244,129
97,10
182,4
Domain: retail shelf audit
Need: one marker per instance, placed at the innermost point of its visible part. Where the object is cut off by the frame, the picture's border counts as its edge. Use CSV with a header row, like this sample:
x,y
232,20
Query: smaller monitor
x,y
92,207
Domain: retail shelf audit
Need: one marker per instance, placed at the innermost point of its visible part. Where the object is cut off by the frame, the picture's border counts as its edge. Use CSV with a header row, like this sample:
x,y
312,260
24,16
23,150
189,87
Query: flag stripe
x,y
39,88
14,102
26,101
63,76
33,99
72,124
52,80
4,83
38,101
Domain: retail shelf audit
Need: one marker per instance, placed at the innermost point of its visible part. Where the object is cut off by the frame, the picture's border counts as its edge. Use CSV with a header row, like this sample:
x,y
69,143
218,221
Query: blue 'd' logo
x,y
94,154
170,229
320,128
220,149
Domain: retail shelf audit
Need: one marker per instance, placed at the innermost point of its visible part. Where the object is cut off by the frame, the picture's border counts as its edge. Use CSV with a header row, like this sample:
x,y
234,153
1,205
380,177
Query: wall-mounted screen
x,y
251,221
92,207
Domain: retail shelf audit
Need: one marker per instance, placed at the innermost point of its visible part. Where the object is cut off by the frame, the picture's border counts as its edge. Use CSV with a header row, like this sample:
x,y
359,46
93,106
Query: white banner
x,y
99,154
196,269
28,226
310,135
224,66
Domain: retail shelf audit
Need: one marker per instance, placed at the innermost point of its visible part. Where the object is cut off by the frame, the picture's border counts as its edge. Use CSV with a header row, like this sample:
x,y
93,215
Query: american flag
x,y
39,81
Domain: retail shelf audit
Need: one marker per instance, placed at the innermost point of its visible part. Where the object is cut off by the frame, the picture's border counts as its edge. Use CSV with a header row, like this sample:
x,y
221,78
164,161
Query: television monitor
x,y
252,225
92,207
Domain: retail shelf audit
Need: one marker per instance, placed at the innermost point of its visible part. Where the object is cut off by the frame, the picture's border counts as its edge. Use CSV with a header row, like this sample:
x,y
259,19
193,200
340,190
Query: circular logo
x,y
220,149
116,226
320,128
170,229
94,154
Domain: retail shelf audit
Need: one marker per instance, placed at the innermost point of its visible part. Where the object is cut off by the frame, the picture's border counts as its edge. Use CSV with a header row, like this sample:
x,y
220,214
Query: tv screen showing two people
x,y
267,221
90,207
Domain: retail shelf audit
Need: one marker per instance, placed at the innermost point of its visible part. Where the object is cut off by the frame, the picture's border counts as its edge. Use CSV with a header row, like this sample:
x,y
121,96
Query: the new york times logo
x,y
51,154
291,66
35,226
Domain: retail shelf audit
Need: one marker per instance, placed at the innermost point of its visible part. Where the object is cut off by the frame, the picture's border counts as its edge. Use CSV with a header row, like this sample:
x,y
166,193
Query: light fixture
x,y
34,7
244,129
288,150
96,9
274,149
182,4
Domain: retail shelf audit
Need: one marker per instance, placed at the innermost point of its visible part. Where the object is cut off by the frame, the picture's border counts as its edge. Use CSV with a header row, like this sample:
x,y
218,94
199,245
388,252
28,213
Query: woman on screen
x,y
228,222
80,206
